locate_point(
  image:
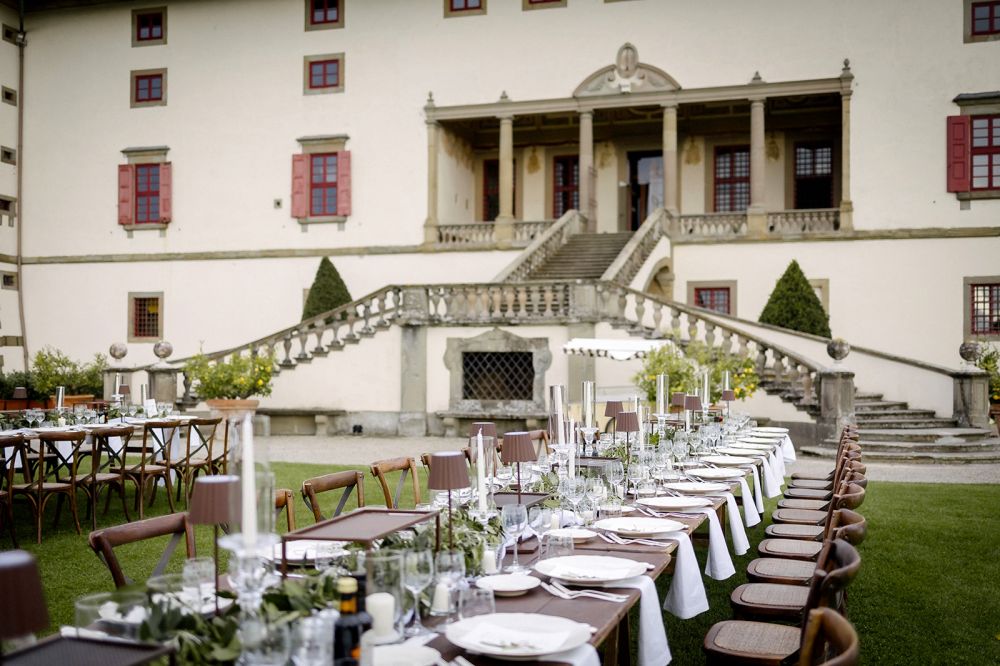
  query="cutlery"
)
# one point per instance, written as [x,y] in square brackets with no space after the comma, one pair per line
[560,590]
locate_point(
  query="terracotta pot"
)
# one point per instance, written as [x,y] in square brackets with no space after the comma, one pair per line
[232,409]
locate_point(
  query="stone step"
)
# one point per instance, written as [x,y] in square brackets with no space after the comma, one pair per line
[903,446]
[941,435]
[991,455]
[871,406]
[902,413]
[867,397]
[906,424]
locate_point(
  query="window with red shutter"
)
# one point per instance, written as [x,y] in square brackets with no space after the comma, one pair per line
[126,185]
[321,180]
[959,159]
[147,193]
[344,183]
[985,152]
[166,192]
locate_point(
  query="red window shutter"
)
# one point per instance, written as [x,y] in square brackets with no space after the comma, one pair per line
[166,192]
[300,186]
[126,192]
[959,160]
[344,183]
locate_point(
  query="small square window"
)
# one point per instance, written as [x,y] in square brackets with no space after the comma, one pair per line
[9,34]
[149,87]
[541,4]
[8,280]
[7,206]
[719,296]
[324,74]
[149,26]
[9,95]
[145,317]
[8,155]
[464,7]
[324,14]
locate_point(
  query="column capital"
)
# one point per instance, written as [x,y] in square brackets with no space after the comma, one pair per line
[757,99]
[432,122]
[670,106]
[508,117]
[586,112]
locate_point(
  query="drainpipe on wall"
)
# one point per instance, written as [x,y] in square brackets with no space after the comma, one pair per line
[21,43]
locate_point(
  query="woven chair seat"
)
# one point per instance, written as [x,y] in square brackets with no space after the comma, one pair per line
[801,516]
[808,504]
[794,531]
[790,597]
[46,486]
[817,484]
[150,469]
[754,640]
[791,548]
[100,477]
[808,493]
[789,572]
[812,477]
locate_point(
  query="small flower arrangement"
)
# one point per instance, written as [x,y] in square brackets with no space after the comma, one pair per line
[682,365]
[237,377]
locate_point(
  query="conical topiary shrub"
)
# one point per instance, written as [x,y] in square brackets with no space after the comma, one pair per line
[327,292]
[793,304]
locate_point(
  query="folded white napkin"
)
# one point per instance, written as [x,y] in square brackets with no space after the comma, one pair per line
[495,638]
[585,655]
[757,495]
[736,530]
[653,647]
[566,571]
[771,487]
[686,597]
[778,466]
[719,564]
[787,449]
[749,508]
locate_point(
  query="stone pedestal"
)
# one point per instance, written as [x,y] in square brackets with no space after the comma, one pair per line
[109,379]
[971,398]
[162,384]
[836,402]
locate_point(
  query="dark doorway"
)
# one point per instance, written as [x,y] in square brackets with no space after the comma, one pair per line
[645,185]
[814,175]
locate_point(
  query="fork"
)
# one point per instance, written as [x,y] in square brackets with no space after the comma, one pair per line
[560,590]
[642,542]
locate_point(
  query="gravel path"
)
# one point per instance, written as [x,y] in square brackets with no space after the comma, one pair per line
[354,450]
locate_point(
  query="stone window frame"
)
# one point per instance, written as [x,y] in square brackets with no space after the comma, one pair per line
[456,13]
[496,340]
[136,104]
[10,276]
[145,155]
[8,209]
[977,104]
[8,155]
[822,285]
[136,42]
[8,95]
[967,283]
[332,25]
[10,34]
[713,284]
[967,36]
[309,59]
[527,5]
[132,295]
[325,143]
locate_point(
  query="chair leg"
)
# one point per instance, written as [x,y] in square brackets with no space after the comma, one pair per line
[170,491]
[72,508]
[121,490]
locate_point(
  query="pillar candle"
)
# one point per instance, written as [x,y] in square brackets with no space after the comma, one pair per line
[442,597]
[706,398]
[489,560]
[572,454]
[118,382]
[662,385]
[481,471]
[588,404]
[642,427]
[725,380]
[382,607]
[248,471]
[555,521]
[556,395]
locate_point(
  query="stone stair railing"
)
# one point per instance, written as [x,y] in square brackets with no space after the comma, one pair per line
[708,225]
[542,248]
[803,221]
[631,258]
[484,233]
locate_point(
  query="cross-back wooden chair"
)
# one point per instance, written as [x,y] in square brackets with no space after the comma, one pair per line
[806,498]
[36,488]
[348,480]
[850,497]
[847,442]
[748,642]
[197,458]
[154,463]
[848,525]
[540,440]
[90,474]
[774,601]
[829,639]
[284,500]
[406,467]
[8,461]
[176,525]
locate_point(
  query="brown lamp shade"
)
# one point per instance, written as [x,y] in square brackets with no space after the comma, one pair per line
[488,427]
[612,408]
[627,422]
[728,395]
[517,447]
[22,603]
[20,393]
[693,403]
[215,500]
[448,471]
[677,399]
[124,390]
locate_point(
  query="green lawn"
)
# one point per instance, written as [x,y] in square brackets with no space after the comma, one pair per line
[928,591]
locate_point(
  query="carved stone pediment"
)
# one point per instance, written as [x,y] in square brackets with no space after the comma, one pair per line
[626,75]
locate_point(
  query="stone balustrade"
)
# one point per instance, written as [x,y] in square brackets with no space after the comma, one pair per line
[804,221]
[484,233]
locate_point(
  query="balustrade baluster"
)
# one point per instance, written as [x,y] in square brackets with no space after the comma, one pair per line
[692,327]
[675,322]
[709,334]
[657,318]
[622,305]
[286,342]
[383,305]
[318,330]
[727,342]
[640,313]
[352,318]
[547,300]
[334,324]
[522,305]
[761,362]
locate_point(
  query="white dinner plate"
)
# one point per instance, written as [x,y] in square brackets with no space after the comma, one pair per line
[716,473]
[405,655]
[728,461]
[591,569]
[760,440]
[304,550]
[753,447]
[509,585]
[772,429]
[639,525]
[675,503]
[735,451]
[698,487]
[578,534]
[517,636]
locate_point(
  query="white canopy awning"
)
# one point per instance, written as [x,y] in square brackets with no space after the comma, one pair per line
[619,350]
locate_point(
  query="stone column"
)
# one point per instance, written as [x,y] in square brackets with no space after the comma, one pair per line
[431,223]
[586,166]
[162,383]
[836,403]
[413,381]
[846,206]
[757,214]
[503,227]
[972,399]
[670,201]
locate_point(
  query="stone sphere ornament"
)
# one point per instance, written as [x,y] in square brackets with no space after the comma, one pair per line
[838,349]
[163,349]
[118,350]
[969,351]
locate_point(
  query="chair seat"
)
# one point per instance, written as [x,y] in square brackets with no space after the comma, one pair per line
[100,477]
[150,470]
[800,516]
[780,570]
[752,642]
[808,493]
[795,549]
[769,601]
[813,477]
[794,531]
[48,486]
[816,484]
[808,504]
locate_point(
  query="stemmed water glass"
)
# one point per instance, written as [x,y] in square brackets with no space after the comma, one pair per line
[614,472]
[515,520]
[573,490]
[596,489]
[505,474]
[635,473]
[418,572]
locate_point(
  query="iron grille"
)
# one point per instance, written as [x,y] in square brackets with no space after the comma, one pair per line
[498,376]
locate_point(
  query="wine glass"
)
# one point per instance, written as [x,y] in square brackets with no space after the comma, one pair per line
[505,474]
[596,489]
[515,520]
[614,472]
[418,572]
[573,490]
[635,473]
